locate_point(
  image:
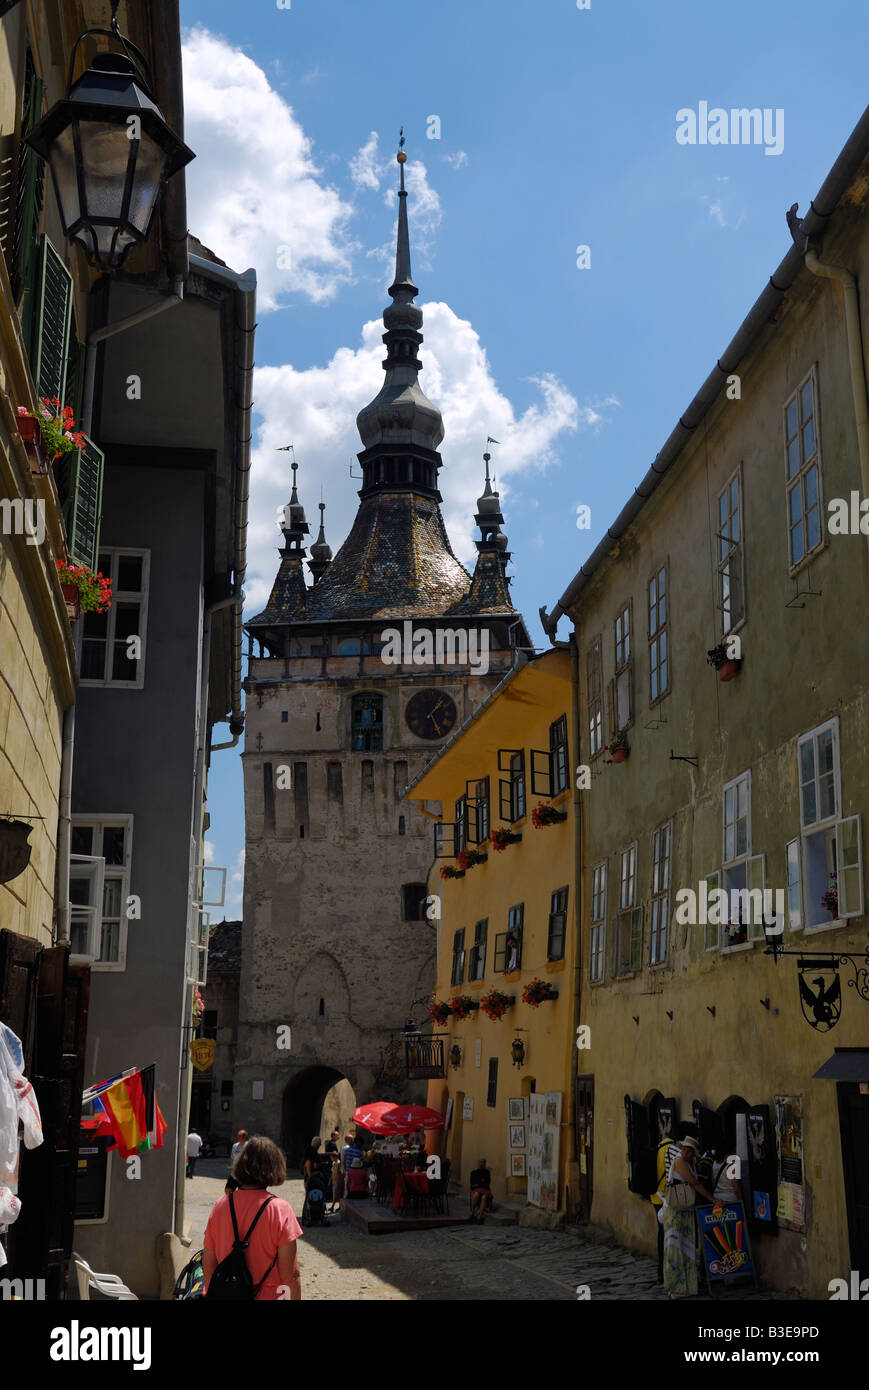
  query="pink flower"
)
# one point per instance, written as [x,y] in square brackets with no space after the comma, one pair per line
[22,410]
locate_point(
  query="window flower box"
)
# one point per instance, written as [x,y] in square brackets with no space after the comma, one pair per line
[467,858]
[538,992]
[830,899]
[544,815]
[495,1004]
[726,666]
[447,871]
[618,748]
[55,424]
[439,1012]
[502,838]
[463,1006]
[84,591]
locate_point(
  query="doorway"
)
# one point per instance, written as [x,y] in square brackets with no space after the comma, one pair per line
[585,1143]
[302,1110]
[854,1130]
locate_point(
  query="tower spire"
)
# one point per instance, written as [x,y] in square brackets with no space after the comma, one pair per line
[403,280]
[295,524]
[321,551]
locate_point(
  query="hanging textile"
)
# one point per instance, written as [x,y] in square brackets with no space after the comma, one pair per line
[18,1103]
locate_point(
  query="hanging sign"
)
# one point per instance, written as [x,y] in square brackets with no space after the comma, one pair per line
[202,1052]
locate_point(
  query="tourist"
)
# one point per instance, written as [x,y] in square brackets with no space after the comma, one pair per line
[349,1152]
[667,1150]
[680,1243]
[725,1189]
[232,1182]
[481,1191]
[332,1144]
[194,1148]
[271,1254]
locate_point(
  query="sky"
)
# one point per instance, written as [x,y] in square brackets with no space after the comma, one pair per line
[581,262]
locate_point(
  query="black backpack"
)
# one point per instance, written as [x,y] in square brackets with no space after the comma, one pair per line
[231,1281]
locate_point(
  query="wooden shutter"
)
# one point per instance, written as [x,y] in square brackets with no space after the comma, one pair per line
[79,478]
[642,1175]
[500,959]
[51,327]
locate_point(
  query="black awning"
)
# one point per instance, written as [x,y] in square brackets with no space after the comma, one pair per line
[846,1064]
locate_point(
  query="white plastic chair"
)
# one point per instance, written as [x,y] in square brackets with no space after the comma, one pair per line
[108,1284]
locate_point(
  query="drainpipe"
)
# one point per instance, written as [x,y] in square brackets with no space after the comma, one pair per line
[855,354]
[98,336]
[578,900]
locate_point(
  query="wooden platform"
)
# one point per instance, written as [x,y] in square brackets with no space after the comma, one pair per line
[376,1220]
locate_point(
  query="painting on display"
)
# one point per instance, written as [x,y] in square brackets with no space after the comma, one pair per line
[518,1167]
[536,1112]
[517,1136]
[516,1109]
[544,1137]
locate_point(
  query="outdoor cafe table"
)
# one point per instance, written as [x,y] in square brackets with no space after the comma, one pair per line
[416,1182]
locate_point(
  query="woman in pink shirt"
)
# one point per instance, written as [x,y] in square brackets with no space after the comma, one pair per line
[271,1256]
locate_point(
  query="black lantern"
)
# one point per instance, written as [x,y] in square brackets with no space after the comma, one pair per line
[517,1048]
[455,1056]
[109,151]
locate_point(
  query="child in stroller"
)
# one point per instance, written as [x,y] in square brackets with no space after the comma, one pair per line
[316,1171]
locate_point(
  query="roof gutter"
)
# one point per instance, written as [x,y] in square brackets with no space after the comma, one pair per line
[821,209]
[244,287]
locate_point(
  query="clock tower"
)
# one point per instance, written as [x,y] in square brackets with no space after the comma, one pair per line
[354,681]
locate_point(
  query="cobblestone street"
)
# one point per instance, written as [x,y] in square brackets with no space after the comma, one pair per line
[465,1263]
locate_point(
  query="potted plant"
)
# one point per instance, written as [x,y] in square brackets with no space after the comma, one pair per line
[618,747]
[449,871]
[544,815]
[537,992]
[439,1012]
[463,1005]
[198,1005]
[56,425]
[726,666]
[84,591]
[495,1004]
[467,858]
[502,838]
[830,899]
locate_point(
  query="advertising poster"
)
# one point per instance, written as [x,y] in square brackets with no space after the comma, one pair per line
[724,1241]
[789,1145]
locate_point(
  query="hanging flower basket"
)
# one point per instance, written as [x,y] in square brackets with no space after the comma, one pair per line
[463,1005]
[88,592]
[467,858]
[198,1005]
[726,666]
[56,425]
[495,1004]
[502,838]
[439,1012]
[447,871]
[538,992]
[830,899]
[544,815]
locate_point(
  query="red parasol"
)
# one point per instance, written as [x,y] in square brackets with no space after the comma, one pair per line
[371,1117]
[406,1118]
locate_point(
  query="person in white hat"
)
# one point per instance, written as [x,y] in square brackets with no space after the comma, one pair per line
[680,1232]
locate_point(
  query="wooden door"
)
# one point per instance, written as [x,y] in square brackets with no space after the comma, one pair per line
[585,1143]
[854,1130]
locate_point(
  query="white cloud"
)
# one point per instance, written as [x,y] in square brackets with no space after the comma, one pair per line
[457,160]
[235,890]
[323,403]
[715,208]
[209,851]
[365,170]
[254,187]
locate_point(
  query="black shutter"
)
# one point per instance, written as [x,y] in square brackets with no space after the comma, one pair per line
[499,961]
[541,772]
[642,1176]
[492,1092]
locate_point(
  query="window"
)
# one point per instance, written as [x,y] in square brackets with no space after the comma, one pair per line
[100,856]
[593,694]
[660,903]
[731,580]
[737,852]
[461,824]
[557,925]
[627,942]
[208,1028]
[558,755]
[598,922]
[659,662]
[492,1090]
[628,877]
[803,472]
[367,724]
[512,788]
[477,811]
[107,655]
[285,716]
[413,899]
[477,961]
[458,972]
[831,847]
[623,701]
[508,944]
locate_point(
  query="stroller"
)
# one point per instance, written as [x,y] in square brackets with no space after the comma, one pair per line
[316,1192]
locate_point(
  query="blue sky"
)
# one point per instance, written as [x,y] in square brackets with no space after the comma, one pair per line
[557,129]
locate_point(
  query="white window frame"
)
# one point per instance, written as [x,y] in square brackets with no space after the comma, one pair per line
[89,866]
[628,878]
[658,616]
[595,703]
[120,596]
[735,861]
[662,873]
[805,465]
[623,678]
[710,942]
[99,823]
[629,922]
[597,954]
[731,552]
[832,828]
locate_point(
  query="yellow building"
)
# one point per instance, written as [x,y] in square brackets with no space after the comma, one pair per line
[506,923]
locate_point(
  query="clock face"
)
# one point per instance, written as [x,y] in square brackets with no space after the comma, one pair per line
[430,714]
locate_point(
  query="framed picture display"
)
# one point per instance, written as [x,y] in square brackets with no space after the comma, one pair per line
[517,1136]
[516,1110]
[517,1166]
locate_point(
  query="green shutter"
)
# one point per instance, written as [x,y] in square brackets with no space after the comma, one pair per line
[75,376]
[22,255]
[51,329]
[80,484]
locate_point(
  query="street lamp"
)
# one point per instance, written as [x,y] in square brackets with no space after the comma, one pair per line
[109,151]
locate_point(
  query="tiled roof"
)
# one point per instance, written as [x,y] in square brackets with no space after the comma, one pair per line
[224,948]
[288,598]
[490,588]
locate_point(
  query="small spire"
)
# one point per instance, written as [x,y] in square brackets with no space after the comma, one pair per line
[321,551]
[403,280]
[295,522]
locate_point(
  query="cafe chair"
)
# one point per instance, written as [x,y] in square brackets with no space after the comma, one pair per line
[108,1284]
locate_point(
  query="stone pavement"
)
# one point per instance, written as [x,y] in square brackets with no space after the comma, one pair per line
[465,1263]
